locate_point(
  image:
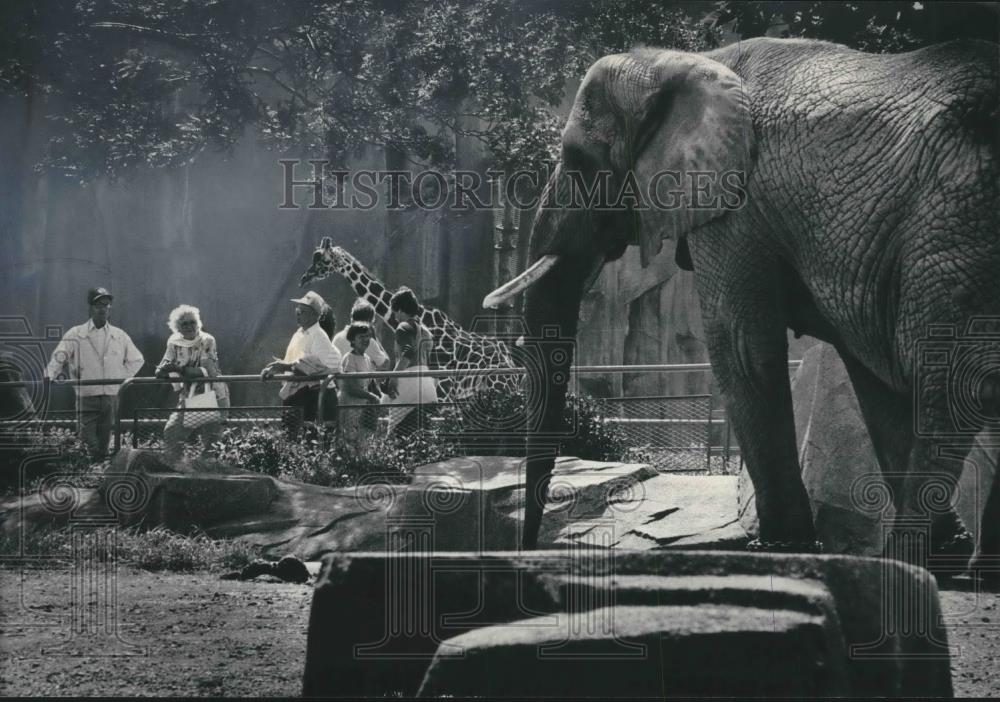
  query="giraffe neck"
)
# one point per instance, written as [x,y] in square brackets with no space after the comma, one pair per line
[369,288]
[453,346]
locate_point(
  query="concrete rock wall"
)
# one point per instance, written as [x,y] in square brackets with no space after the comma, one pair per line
[838,462]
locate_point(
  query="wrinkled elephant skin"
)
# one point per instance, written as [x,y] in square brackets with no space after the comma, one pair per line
[848,196]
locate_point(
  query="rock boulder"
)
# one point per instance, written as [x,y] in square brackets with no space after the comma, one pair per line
[581,622]
[837,457]
[477,504]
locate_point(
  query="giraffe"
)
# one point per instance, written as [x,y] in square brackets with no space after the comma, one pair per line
[454,347]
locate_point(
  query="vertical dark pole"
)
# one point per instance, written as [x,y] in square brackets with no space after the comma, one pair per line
[708,438]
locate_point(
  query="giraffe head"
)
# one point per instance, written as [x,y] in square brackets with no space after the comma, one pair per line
[327,259]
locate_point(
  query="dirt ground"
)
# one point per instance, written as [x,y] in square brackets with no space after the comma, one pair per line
[197,635]
[181,636]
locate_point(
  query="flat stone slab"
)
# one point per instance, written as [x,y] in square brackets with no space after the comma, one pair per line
[386,624]
[311,521]
[683,512]
[646,652]
[477,504]
[140,489]
[472,504]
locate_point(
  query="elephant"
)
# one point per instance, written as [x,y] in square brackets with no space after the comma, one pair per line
[849,196]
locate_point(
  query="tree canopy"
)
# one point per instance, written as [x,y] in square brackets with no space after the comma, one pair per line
[152,83]
[127,83]
[888,26]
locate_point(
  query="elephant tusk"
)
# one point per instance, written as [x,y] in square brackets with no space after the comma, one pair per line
[525,280]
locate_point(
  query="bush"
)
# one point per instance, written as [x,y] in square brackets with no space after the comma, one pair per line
[595,439]
[259,450]
[317,458]
[162,549]
[43,452]
[154,549]
[491,412]
[471,428]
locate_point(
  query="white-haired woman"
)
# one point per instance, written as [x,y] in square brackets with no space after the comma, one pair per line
[191,353]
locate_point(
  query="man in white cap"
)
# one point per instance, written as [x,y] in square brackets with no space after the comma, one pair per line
[95,350]
[309,353]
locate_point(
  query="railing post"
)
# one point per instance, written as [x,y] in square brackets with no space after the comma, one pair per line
[725,450]
[708,438]
[126,384]
[320,417]
[321,402]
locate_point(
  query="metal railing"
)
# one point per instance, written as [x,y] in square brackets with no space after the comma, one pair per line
[671,433]
[148,424]
[670,429]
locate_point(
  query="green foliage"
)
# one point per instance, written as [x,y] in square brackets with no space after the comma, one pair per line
[490,413]
[59,447]
[317,458]
[128,83]
[614,27]
[156,549]
[260,450]
[162,549]
[594,438]
[878,27]
[43,452]
[469,428]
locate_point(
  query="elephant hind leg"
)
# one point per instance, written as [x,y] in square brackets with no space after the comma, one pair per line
[888,417]
[916,476]
[987,560]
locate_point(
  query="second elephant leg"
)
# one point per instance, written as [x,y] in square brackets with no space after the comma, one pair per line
[745,316]
[907,464]
[748,347]
[753,376]
[987,560]
[888,418]
[928,487]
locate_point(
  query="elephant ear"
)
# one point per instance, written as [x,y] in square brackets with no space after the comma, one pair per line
[688,131]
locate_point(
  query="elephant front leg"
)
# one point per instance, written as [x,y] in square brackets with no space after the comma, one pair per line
[750,360]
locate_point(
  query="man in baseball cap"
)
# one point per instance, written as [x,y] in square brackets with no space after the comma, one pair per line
[309,353]
[95,294]
[96,350]
[311,299]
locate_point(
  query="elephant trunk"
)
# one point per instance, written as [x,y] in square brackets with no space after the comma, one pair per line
[567,257]
[552,306]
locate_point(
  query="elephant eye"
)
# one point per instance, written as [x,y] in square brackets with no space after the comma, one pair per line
[576,158]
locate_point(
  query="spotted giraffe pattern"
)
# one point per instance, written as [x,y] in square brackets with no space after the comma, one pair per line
[454,348]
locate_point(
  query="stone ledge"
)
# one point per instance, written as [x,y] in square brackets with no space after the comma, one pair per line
[645,652]
[357,648]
